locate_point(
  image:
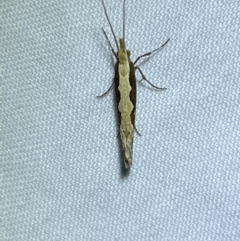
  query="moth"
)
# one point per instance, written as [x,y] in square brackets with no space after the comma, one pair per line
[125,87]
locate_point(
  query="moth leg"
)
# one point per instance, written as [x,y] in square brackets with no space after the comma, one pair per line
[149,53]
[99,96]
[109,43]
[144,78]
[135,128]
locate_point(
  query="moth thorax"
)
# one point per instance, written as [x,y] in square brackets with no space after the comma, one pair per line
[122,56]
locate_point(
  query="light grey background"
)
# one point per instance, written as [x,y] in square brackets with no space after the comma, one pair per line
[61,175]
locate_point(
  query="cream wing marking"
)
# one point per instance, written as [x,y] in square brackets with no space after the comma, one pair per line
[125,107]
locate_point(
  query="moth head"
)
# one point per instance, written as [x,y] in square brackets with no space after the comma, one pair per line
[123,53]
[122,43]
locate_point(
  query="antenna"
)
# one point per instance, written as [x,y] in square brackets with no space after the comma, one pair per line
[105,11]
[124,21]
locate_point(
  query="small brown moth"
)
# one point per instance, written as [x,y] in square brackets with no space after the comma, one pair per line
[125,87]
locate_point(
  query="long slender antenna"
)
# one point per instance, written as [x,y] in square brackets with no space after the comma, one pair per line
[105,11]
[124,22]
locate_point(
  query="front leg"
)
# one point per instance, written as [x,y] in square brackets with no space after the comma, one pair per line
[151,52]
[144,78]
